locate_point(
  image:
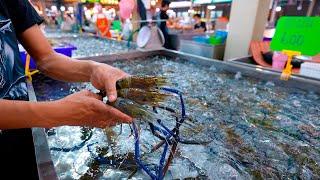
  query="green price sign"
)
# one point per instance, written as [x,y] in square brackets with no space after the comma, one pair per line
[297,34]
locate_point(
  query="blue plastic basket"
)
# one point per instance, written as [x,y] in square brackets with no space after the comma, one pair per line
[221,34]
[65,49]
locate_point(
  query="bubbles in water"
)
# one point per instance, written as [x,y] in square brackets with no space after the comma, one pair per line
[238,75]
[270,84]
[213,68]
[296,103]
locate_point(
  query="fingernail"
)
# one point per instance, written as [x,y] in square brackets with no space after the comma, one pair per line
[112,98]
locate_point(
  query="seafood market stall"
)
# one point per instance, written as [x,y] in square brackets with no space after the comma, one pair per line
[202,49]
[89,45]
[241,123]
[187,42]
[56,33]
[82,45]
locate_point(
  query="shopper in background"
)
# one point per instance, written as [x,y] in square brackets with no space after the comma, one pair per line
[163,17]
[199,25]
[102,22]
[316,58]
[68,22]
[19,21]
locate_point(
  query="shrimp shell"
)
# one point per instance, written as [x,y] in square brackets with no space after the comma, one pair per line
[150,97]
[141,82]
[134,110]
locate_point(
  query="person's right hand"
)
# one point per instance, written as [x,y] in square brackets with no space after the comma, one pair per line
[85,108]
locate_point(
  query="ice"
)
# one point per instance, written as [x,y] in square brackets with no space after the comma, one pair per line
[256,129]
[238,76]
[270,84]
[296,103]
[60,34]
[180,169]
[93,46]
[225,171]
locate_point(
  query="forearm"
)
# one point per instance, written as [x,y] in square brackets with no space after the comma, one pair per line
[65,68]
[24,114]
[51,63]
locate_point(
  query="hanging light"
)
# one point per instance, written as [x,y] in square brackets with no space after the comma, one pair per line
[180,4]
[278,8]
[153,2]
[54,8]
[62,8]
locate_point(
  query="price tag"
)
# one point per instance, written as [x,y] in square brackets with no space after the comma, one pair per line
[297,34]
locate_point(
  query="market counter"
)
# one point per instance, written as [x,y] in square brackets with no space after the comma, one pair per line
[183,42]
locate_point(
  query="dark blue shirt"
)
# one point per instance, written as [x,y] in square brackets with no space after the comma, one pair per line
[15,17]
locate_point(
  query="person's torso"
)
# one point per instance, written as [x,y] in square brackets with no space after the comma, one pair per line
[103,26]
[12,79]
[197,26]
[102,22]
[163,24]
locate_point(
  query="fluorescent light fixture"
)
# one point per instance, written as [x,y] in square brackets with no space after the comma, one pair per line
[278,8]
[180,4]
[211,1]
[211,7]
[202,1]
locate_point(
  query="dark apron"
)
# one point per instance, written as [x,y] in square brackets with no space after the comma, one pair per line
[17,155]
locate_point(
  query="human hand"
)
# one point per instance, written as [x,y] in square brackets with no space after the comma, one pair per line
[316,58]
[104,77]
[85,108]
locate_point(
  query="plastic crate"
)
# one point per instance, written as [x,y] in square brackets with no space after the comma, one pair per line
[65,49]
[221,34]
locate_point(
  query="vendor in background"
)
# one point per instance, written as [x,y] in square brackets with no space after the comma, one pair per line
[163,17]
[20,22]
[102,22]
[199,25]
[68,22]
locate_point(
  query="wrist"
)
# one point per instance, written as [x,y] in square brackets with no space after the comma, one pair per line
[47,114]
[93,66]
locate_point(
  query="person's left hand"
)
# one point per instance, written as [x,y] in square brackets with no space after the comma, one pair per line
[104,77]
